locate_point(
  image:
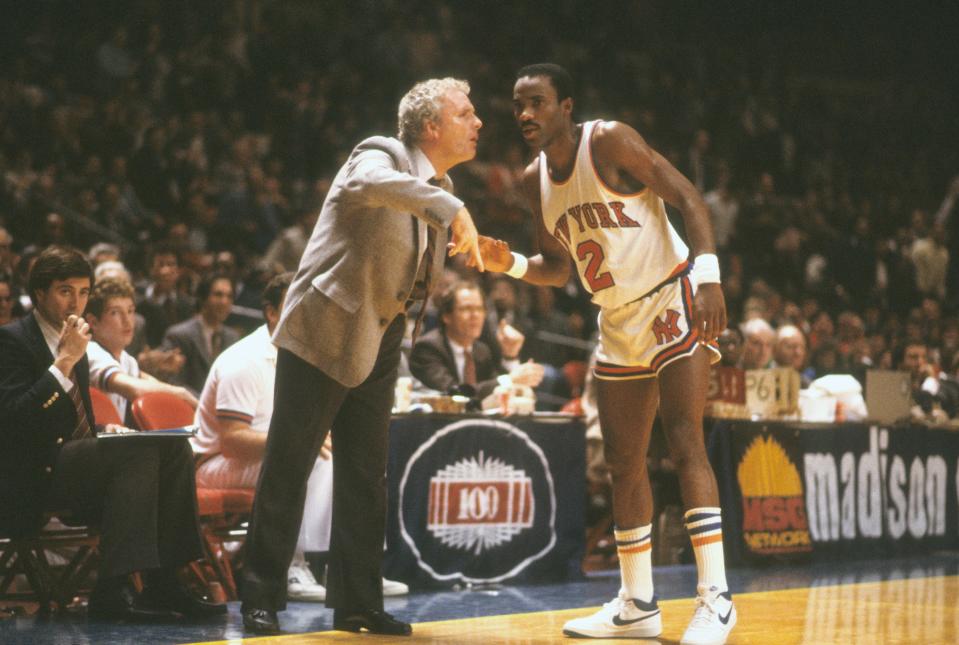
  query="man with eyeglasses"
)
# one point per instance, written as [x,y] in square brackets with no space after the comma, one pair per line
[453,359]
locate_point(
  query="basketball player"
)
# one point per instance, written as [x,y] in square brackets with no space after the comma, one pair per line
[597,192]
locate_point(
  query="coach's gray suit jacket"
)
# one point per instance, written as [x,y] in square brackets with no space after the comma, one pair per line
[360,264]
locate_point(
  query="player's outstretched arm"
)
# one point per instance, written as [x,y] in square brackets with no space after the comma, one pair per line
[550,267]
[619,146]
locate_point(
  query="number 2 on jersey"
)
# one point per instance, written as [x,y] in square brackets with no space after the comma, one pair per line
[597,281]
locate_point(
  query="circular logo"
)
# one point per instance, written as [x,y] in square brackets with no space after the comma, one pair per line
[477,502]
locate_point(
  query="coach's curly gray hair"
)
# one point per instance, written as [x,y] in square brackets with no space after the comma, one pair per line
[422,104]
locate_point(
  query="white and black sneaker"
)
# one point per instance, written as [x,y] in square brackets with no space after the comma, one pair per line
[715,617]
[622,617]
[302,586]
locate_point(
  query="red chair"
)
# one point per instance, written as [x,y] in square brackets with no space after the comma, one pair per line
[103,409]
[159,410]
[222,511]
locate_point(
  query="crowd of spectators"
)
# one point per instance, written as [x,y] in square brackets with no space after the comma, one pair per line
[211,129]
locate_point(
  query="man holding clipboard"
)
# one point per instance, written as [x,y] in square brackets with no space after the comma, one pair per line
[140,494]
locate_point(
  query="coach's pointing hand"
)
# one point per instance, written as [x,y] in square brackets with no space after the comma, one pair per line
[466,239]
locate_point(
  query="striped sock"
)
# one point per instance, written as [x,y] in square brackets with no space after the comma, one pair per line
[634,547]
[705,528]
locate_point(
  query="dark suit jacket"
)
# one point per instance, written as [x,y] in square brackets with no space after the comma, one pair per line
[36,418]
[188,337]
[432,362]
[157,319]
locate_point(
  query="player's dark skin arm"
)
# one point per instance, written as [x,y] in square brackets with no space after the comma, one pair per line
[625,160]
[550,267]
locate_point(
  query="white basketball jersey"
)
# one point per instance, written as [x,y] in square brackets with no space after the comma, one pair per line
[623,245]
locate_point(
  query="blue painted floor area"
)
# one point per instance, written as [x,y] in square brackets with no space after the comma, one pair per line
[671,582]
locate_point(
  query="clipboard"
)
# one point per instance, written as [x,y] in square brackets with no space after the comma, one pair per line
[184,431]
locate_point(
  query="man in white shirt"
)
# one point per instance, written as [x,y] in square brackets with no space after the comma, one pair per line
[234,417]
[111,315]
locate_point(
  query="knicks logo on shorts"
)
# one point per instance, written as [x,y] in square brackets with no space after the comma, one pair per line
[666,328]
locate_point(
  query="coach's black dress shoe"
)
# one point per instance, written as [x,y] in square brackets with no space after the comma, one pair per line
[121,602]
[375,621]
[260,621]
[176,597]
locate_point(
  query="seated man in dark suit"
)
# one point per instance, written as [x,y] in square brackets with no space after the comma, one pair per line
[201,338]
[139,492]
[453,359]
[161,304]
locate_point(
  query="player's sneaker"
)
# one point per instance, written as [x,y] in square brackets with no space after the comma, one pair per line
[302,586]
[394,588]
[622,617]
[715,617]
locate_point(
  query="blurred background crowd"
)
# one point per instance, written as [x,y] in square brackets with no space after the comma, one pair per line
[824,142]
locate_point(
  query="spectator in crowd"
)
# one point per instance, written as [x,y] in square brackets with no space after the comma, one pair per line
[161,304]
[287,248]
[201,338]
[791,352]
[140,494]
[931,258]
[935,394]
[723,208]
[825,359]
[730,343]
[103,252]
[7,257]
[758,341]
[8,300]
[453,359]
[111,316]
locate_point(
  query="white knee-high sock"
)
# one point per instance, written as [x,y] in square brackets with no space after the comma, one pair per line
[634,547]
[705,528]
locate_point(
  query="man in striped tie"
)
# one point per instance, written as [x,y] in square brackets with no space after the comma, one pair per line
[52,460]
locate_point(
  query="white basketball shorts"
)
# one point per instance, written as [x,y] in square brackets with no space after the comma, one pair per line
[638,339]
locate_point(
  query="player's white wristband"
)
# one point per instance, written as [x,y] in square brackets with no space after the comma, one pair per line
[520,266]
[705,269]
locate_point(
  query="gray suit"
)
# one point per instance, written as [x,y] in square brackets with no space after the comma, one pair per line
[359,266]
[339,347]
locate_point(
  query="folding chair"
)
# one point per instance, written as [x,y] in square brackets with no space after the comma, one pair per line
[222,511]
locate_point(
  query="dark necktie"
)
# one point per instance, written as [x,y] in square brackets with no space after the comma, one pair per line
[216,343]
[428,271]
[169,310]
[469,368]
[82,428]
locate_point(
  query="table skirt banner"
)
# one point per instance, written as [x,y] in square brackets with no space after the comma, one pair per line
[485,500]
[792,490]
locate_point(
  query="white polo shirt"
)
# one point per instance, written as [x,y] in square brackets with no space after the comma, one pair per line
[239,386]
[103,366]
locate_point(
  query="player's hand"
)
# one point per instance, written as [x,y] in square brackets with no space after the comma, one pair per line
[709,311]
[496,254]
[465,239]
[326,450]
[528,373]
[509,338]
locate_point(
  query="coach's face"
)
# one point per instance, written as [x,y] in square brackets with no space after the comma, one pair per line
[63,298]
[541,116]
[457,130]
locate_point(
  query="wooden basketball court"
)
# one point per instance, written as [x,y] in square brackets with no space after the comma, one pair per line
[911,610]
